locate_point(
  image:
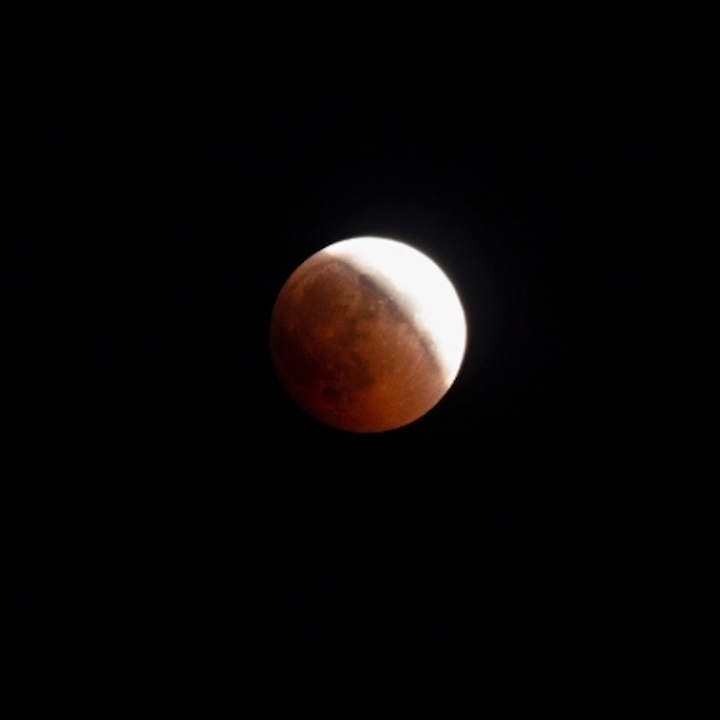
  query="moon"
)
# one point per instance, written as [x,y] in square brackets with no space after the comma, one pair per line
[368,334]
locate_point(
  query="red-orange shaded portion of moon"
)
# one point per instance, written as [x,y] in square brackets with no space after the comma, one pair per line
[349,351]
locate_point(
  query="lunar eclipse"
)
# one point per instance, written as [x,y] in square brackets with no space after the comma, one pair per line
[367,335]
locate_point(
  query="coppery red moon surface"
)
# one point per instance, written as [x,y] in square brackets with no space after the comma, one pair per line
[367,335]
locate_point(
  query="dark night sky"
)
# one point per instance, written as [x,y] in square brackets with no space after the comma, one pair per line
[180,524]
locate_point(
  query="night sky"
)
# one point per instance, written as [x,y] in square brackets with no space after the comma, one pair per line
[182,529]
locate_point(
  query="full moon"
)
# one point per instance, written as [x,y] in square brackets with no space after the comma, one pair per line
[368,334]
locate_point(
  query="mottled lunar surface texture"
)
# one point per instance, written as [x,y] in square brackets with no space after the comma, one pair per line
[367,335]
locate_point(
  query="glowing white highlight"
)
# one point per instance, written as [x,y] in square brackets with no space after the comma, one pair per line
[422,289]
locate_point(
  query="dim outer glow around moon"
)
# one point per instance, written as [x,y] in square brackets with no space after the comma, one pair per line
[368,334]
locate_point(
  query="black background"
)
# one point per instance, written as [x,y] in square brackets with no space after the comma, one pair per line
[183,530]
